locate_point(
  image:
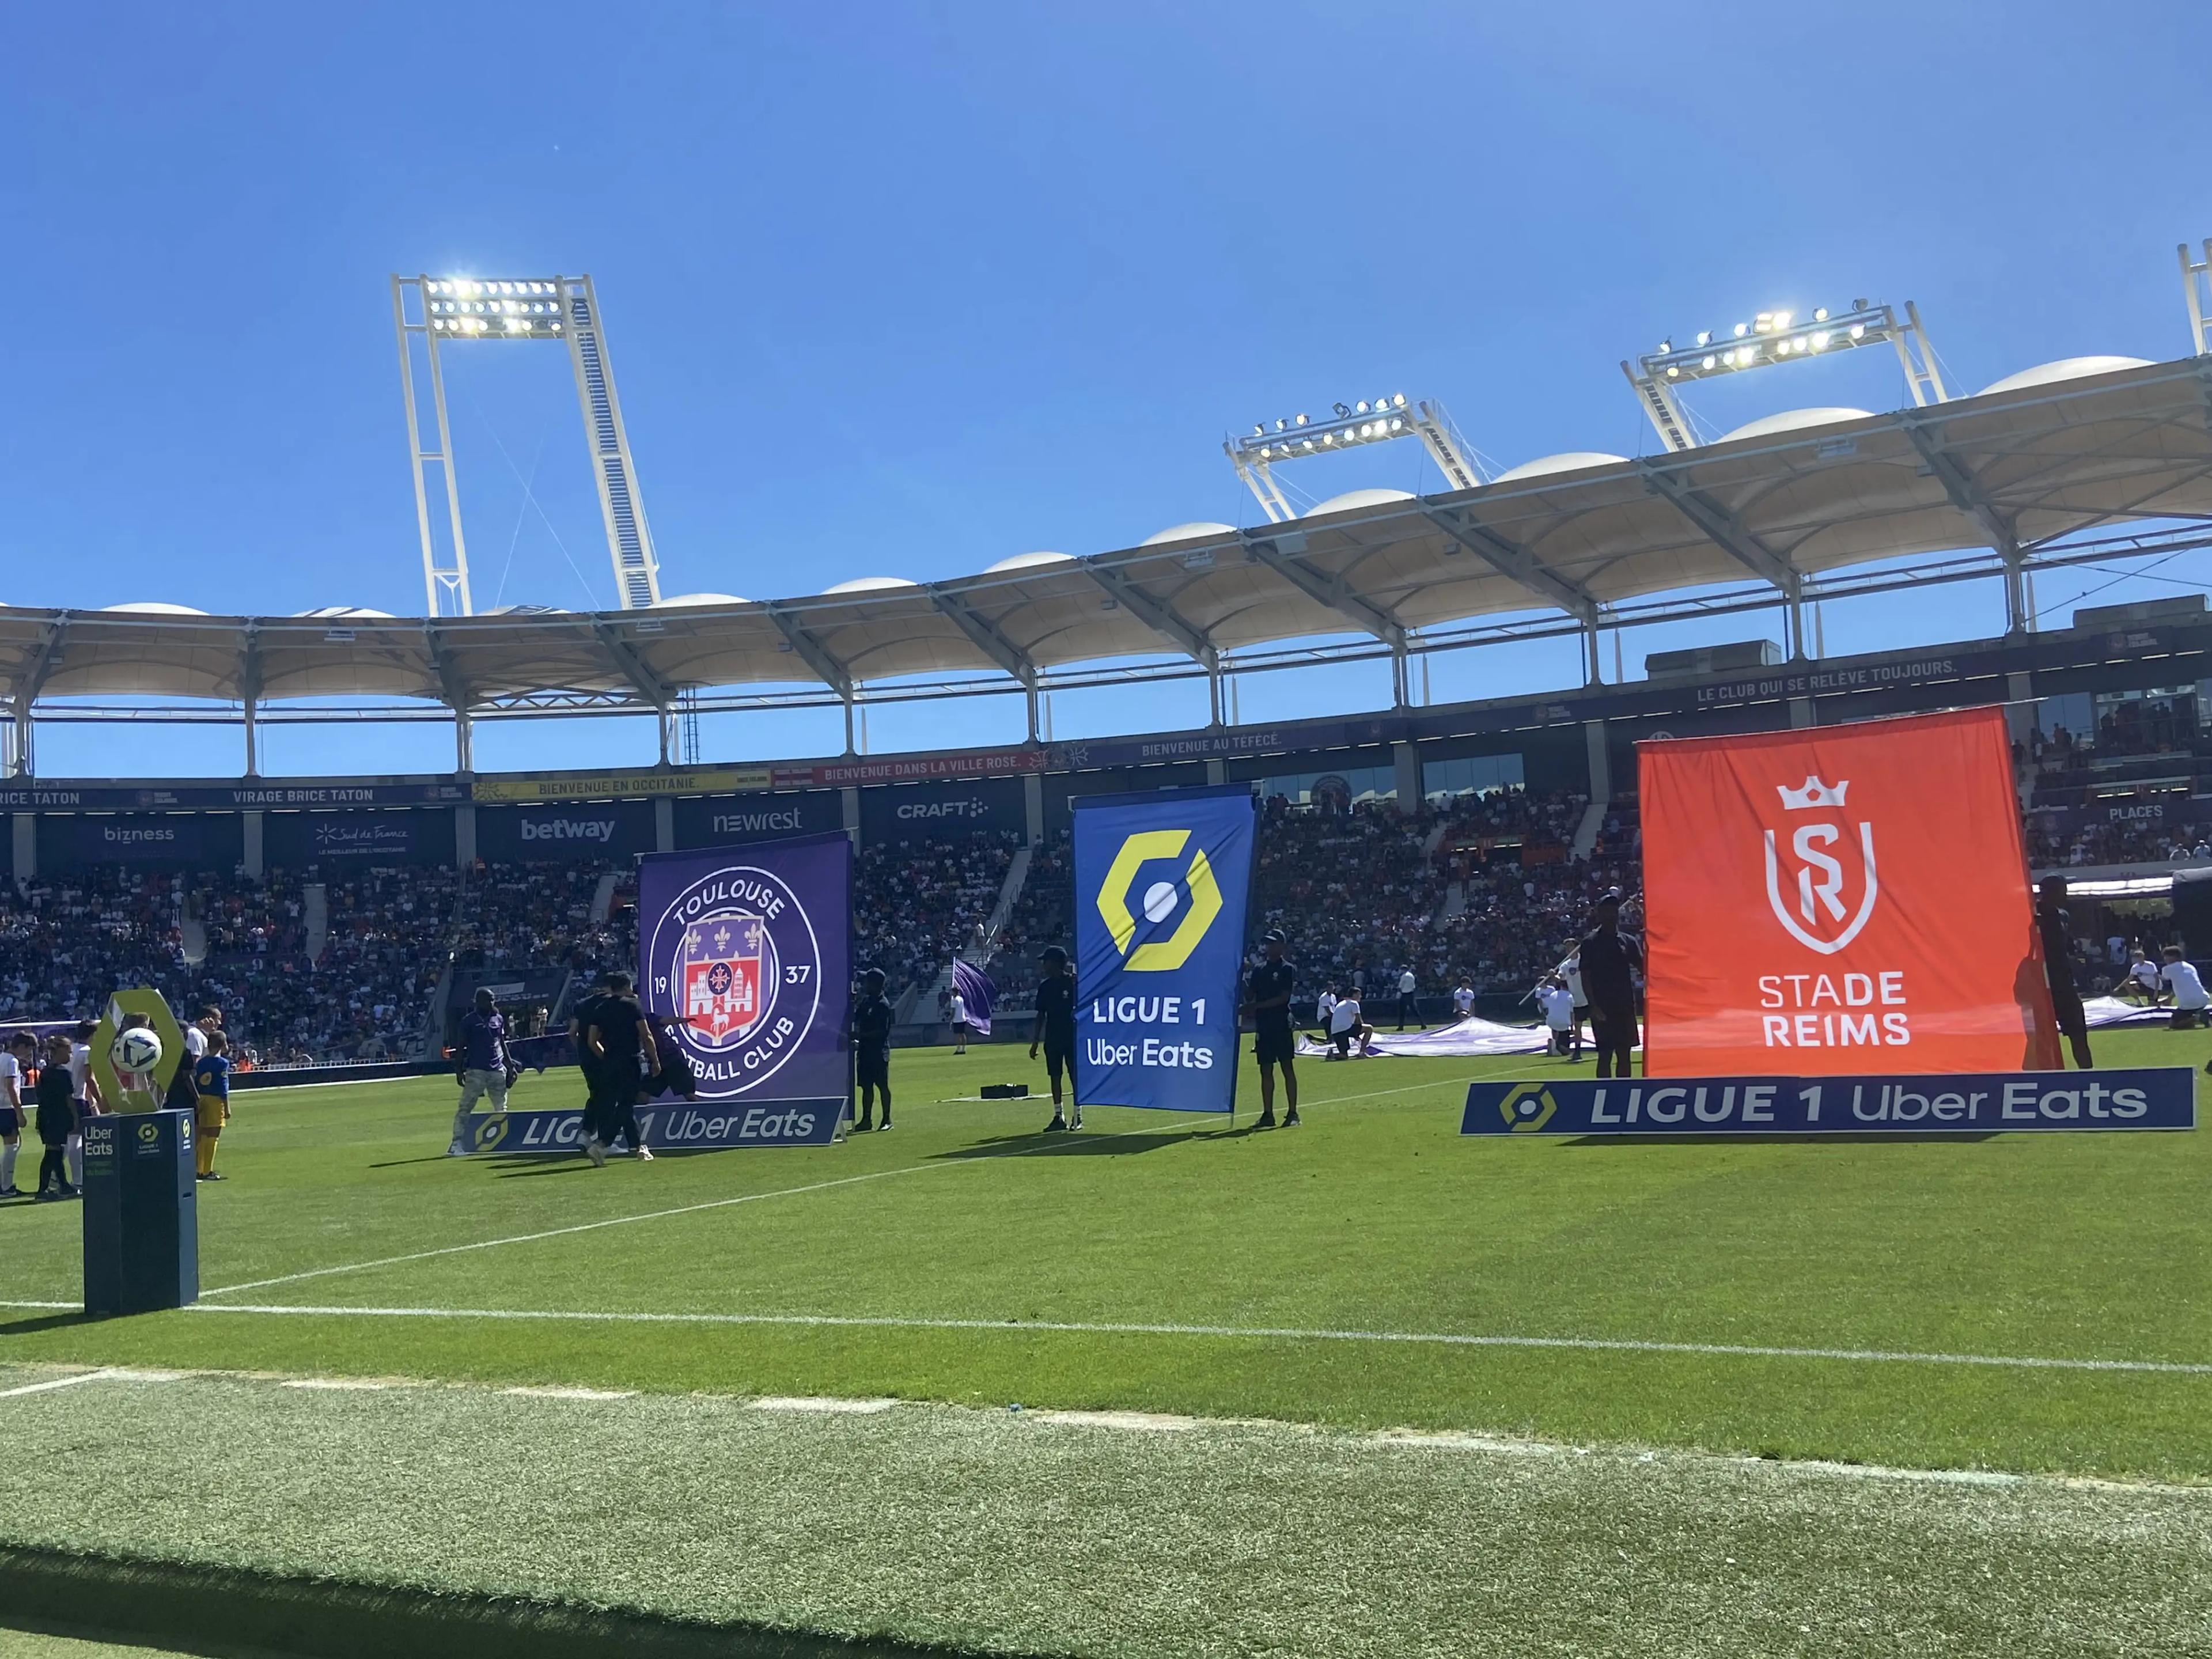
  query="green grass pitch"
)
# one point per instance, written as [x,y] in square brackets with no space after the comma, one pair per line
[1174,1264]
[1373,1217]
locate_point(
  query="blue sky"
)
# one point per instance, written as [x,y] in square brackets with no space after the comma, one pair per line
[904,289]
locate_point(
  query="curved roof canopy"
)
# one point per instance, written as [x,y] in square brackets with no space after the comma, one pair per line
[2083,449]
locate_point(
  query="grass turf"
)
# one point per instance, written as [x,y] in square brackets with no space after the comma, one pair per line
[1374,1217]
[1004,1533]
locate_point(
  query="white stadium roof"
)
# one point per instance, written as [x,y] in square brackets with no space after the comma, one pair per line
[2053,451]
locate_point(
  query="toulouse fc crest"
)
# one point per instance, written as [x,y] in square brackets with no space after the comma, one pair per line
[735,960]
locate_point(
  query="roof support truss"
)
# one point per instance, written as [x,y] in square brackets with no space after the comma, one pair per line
[1157,615]
[1508,558]
[24,693]
[811,652]
[1964,492]
[1722,527]
[454,688]
[1331,591]
[633,667]
[984,636]
[43,662]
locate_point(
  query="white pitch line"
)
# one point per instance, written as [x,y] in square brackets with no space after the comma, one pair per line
[656,1215]
[57,1382]
[1268,1333]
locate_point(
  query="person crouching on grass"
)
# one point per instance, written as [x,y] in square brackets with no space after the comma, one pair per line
[56,1121]
[2179,979]
[211,1079]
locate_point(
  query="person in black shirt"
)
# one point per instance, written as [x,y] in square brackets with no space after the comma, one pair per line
[581,1015]
[620,1043]
[2057,927]
[57,1119]
[872,1048]
[1272,1043]
[1609,963]
[1055,1034]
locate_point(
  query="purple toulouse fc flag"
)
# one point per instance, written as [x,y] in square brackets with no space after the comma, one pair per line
[746,950]
[977,993]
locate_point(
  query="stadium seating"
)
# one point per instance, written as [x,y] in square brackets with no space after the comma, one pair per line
[1485,888]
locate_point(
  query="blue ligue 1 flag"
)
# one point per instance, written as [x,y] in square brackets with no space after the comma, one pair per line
[746,952]
[1161,884]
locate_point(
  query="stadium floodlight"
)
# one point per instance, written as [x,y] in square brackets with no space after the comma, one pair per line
[445,310]
[1349,426]
[1780,337]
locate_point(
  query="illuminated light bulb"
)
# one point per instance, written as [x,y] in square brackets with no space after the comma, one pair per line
[1858,330]
[1396,425]
[1706,339]
[1665,346]
[1819,313]
[1708,362]
[1781,320]
[1672,373]
[1820,341]
[1400,400]
[1362,406]
[1742,329]
[1301,420]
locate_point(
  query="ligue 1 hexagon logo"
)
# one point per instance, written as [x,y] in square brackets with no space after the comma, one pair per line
[735,964]
[1526,1108]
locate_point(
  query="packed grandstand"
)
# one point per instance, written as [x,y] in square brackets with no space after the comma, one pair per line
[334,962]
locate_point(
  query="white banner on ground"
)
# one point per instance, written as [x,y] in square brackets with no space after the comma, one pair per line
[1468,1037]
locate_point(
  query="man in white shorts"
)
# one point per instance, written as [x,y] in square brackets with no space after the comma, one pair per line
[85,1089]
[11,1117]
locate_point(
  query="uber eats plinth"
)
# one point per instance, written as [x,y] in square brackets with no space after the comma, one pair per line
[141,1222]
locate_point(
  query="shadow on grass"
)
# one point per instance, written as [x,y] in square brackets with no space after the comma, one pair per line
[1839,1137]
[52,1322]
[1072,1144]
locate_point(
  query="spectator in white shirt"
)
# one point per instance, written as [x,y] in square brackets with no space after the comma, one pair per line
[1346,1030]
[2185,988]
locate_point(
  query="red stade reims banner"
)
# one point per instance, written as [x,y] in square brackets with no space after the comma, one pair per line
[1847,899]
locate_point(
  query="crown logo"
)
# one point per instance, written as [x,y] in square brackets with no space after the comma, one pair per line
[1814,793]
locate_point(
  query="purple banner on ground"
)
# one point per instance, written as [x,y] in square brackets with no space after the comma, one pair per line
[748,950]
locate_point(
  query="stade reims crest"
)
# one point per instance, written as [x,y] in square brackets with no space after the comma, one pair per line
[720,969]
[1822,902]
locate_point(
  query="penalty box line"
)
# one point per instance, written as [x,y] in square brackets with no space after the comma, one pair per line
[1266,1333]
[725,1203]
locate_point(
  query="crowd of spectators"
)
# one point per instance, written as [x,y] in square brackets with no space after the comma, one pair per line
[917,903]
[535,916]
[67,940]
[2117,843]
[1484,888]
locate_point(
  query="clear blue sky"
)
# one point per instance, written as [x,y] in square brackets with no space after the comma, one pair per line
[903,290]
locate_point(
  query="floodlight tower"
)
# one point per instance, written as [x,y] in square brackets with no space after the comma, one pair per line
[2196,287]
[1778,337]
[445,310]
[1297,436]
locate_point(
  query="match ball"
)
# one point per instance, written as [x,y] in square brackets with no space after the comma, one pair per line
[136,1050]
